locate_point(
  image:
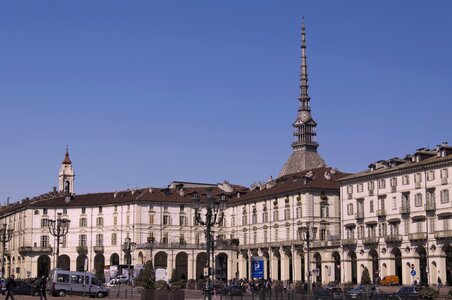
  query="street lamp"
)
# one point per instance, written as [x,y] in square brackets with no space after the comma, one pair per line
[308,234]
[214,216]
[58,228]
[5,236]
[128,247]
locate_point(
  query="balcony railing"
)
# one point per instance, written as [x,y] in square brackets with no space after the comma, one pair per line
[404,209]
[418,236]
[395,238]
[28,250]
[443,234]
[359,215]
[98,249]
[381,213]
[430,206]
[371,240]
[201,246]
[82,249]
[350,241]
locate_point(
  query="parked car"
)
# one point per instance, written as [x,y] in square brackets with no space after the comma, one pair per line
[407,292]
[120,279]
[233,290]
[328,293]
[361,292]
[390,280]
[22,288]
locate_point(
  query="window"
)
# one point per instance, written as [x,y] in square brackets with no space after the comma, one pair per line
[444,196]
[100,209]
[115,220]
[265,215]
[360,187]
[128,219]
[166,220]
[371,205]
[431,225]
[444,176]
[114,239]
[275,215]
[276,235]
[99,239]
[370,185]
[181,239]
[83,222]
[151,218]
[116,209]
[64,211]
[324,211]
[265,236]
[245,238]
[430,175]
[382,183]
[165,238]
[430,196]
[394,181]
[254,216]
[350,209]
[382,229]
[36,212]
[182,221]
[100,221]
[181,207]
[417,180]
[405,200]
[255,237]
[405,180]
[44,241]
[323,234]
[44,223]
[406,226]
[83,210]
[244,218]
[287,214]
[233,220]
[418,200]
[44,211]
[381,201]
[82,240]
[299,212]
[350,189]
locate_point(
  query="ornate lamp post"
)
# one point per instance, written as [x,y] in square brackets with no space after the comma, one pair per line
[214,215]
[308,234]
[5,236]
[128,247]
[58,228]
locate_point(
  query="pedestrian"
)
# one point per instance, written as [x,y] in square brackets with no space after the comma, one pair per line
[10,284]
[43,284]
[439,282]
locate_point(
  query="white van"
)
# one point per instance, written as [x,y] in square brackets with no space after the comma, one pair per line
[62,282]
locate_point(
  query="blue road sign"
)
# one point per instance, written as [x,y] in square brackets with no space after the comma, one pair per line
[258,267]
[413,272]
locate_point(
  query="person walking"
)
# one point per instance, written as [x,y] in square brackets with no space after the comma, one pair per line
[42,287]
[10,284]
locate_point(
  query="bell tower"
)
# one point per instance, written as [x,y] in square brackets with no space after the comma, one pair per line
[66,175]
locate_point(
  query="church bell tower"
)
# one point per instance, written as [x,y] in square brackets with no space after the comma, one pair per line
[66,175]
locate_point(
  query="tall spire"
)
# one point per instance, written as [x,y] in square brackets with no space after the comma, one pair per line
[67,160]
[304,155]
[66,175]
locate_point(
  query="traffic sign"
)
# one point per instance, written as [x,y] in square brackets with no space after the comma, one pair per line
[413,272]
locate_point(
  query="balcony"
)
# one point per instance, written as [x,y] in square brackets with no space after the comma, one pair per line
[98,249]
[395,238]
[82,249]
[381,213]
[404,209]
[430,206]
[28,250]
[348,242]
[443,234]
[186,246]
[418,236]
[359,215]
[371,240]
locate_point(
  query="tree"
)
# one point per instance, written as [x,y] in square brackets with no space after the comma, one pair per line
[365,277]
[148,276]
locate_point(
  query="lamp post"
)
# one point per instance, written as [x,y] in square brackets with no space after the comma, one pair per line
[214,215]
[308,234]
[128,247]
[58,228]
[5,236]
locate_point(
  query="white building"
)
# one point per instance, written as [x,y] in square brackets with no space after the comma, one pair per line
[396,217]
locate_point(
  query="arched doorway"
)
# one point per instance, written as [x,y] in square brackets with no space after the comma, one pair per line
[354,266]
[201,263]
[114,259]
[181,265]
[422,264]
[318,266]
[447,249]
[141,257]
[397,255]
[375,269]
[82,263]
[337,266]
[99,265]
[43,265]
[161,260]
[221,267]
[64,262]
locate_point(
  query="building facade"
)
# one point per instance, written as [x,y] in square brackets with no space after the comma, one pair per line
[396,218]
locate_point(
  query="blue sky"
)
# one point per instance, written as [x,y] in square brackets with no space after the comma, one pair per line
[146,92]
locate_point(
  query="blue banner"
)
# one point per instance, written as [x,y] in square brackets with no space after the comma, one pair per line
[257,267]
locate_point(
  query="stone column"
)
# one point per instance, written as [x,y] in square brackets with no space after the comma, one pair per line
[273,265]
[170,264]
[296,264]
[191,266]
[284,263]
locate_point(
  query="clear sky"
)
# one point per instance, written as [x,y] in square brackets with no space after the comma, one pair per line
[146,92]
